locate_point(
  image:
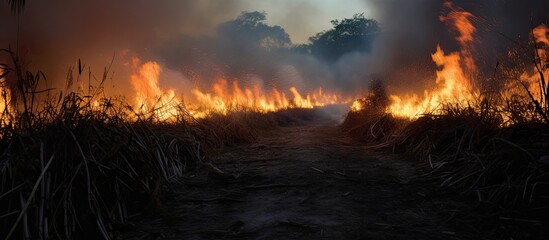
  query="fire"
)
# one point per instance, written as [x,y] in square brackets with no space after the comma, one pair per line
[4,94]
[356,106]
[531,80]
[150,99]
[541,34]
[225,97]
[452,84]
[454,77]
[232,97]
[5,100]
[461,22]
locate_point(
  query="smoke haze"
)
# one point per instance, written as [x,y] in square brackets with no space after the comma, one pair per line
[196,44]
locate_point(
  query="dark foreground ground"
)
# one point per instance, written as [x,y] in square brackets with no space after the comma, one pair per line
[309,181]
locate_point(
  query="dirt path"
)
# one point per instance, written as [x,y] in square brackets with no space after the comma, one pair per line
[302,182]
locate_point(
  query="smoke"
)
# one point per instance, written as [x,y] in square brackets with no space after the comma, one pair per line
[53,35]
[198,41]
[412,30]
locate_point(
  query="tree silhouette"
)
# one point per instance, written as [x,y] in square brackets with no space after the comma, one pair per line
[247,44]
[347,35]
[250,30]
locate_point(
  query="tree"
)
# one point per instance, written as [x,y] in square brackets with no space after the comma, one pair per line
[247,44]
[250,30]
[347,35]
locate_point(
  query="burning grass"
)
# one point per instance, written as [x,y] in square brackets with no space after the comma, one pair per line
[82,165]
[493,148]
[493,153]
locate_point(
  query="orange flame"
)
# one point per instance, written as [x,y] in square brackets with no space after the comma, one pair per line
[232,97]
[151,100]
[453,86]
[532,79]
[461,22]
[3,99]
[541,34]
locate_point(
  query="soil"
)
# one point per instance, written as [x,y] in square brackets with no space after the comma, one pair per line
[309,181]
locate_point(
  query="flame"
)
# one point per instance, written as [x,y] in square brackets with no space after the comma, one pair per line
[541,34]
[452,84]
[4,94]
[531,80]
[357,106]
[461,22]
[232,97]
[5,102]
[150,99]
[454,77]
[225,97]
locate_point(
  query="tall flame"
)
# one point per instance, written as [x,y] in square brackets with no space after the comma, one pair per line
[4,94]
[452,84]
[151,100]
[461,22]
[532,79]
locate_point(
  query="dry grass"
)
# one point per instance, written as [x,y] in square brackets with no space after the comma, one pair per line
[505,169]
[495,151]
[74,166]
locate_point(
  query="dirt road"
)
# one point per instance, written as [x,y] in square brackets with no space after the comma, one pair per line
[301,182]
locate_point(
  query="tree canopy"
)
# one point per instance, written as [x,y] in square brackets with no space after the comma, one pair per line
[250,30]
[347,35]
